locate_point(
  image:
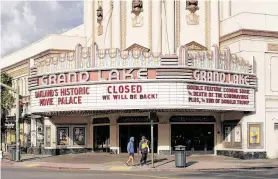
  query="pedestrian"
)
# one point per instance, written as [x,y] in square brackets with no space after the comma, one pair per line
[130,150]
[144,149]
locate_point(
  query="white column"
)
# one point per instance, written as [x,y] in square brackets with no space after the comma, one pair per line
[164,134]
[218,135]
[33,132]
[88,20]
[90,139]
[170,19]
[116,34]
[114,134]
[156,28]
[163,29]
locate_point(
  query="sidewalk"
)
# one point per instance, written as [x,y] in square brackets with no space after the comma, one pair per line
[108,162]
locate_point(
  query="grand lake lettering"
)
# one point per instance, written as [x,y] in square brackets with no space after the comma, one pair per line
[97,75]
[221,77]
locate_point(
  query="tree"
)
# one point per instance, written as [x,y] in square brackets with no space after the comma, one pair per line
[7,98]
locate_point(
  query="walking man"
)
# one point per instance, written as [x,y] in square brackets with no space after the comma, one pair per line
[144,149]
[130,150]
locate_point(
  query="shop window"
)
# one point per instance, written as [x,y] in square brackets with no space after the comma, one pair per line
[71,135]
[276,126]
[228,136]
[255,138]
[232,135]
[48,136]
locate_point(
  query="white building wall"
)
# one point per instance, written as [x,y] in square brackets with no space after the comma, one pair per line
[137,35]
[245,13]
[192,32]
[77,31]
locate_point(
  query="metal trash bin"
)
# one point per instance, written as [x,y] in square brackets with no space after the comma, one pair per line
[180,156]
[12,152]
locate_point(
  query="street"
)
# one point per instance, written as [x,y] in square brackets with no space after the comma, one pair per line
[32,173]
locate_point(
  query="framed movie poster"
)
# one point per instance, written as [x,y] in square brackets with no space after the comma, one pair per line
[228,134]
[237,130]
[62,135]
[78,135]
[255,135]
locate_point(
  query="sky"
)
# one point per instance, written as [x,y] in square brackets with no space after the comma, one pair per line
[25,22]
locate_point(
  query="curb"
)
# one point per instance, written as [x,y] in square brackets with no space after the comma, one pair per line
[120,169]
[208,169]
[60,168]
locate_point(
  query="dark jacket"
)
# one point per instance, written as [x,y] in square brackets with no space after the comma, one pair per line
[130,145]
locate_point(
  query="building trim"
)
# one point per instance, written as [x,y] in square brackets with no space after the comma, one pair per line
[150,34]
[249,32]
[177,23]
[123,23]
[208,23]
[40,55]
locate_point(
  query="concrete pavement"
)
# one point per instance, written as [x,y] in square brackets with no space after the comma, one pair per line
[108,162]
[33,173]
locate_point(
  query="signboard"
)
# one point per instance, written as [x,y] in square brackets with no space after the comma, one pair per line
[148,95]
[237,134]
[9,125]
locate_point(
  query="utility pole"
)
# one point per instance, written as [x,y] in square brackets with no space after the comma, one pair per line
[152,116]
[1,152]
[16,91]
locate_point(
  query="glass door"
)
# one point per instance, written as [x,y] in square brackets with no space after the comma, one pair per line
[102,138]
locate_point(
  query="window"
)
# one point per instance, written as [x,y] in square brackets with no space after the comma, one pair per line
[62,135]
[78,135]
[47,136]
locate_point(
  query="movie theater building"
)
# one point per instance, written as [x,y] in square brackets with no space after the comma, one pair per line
[100,98]
[95,86]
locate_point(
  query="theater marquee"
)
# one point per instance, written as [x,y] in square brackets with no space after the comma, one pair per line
[144,95]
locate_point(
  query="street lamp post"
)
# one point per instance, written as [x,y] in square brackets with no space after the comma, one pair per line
[16,91]
[152,116]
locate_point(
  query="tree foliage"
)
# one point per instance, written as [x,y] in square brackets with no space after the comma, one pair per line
[7,98]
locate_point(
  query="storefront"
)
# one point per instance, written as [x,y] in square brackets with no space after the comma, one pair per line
[99,107]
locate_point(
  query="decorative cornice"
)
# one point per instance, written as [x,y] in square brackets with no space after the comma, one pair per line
[19,72]
[272,47]
[177,24]
[195,46]
[150,25]
[15,66]
[207,23]
[249,32]
[40,55]
[137,47]
[98,112]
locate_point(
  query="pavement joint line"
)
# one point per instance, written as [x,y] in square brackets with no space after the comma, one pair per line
[31,165]
[248,176]
[118,168]
[149,176]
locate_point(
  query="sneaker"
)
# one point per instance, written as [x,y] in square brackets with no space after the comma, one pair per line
[126,164]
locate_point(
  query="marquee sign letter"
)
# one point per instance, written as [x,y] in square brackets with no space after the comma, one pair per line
[142,74]
[114,75]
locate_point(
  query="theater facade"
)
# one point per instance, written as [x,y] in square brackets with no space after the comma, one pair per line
[96,99]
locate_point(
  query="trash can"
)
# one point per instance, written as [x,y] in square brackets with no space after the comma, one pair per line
[180,156]
[12,153]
